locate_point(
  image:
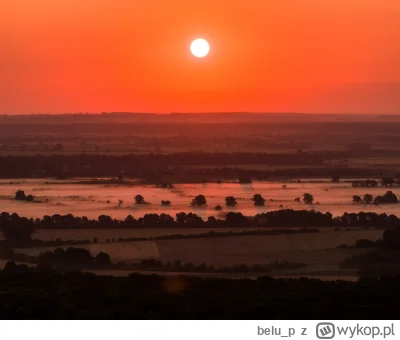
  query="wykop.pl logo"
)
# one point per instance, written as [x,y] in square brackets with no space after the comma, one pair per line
[325,330]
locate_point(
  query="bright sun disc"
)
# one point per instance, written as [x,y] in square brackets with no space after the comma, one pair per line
[199,48]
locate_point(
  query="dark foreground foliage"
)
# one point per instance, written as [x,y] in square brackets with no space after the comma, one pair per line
[44,294]
[382,259]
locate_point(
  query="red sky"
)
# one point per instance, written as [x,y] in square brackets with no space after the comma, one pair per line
[133,55]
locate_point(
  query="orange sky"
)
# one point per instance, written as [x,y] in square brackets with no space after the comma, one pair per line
[133,55]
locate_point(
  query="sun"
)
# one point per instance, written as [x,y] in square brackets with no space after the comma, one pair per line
[199,48]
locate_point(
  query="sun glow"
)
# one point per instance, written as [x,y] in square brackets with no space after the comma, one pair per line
[199,48]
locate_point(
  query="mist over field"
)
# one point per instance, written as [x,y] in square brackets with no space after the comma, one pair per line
[91,200]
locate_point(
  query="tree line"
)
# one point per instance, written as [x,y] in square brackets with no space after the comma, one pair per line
[80,258]
[20,229]
[388,198]
[383,259]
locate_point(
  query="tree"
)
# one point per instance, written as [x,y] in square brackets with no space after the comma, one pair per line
[389,197]
[236,218]
[199,201]
[368,199]
[19,232]
[297,199]
[194,220]
[166,219]
[20,195]
[105,220]
[165,203]
[357,199]
[308,198]
[30,198]
[211,220]
[120,203]
[102,258]
[378,200]
[139,199]
[258,200]
[181,218]
[218,207]
[230,201]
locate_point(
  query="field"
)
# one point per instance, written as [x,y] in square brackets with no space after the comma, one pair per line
[319,251]
[92,200]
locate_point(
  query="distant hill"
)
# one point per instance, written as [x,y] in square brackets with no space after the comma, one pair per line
[209,117]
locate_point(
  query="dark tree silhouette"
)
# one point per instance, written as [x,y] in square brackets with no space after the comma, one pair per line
[19,232]
[308,198]
[102,258]
[357,199]
[377,200]
[297,199]
[218,207]
[181,218]
[368,199]
[199,201]
[78,257]
[236,218]
[230,201]
[165,203]
[139,199]
[20,195]
[258,200]
[389,197]
[105,220]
